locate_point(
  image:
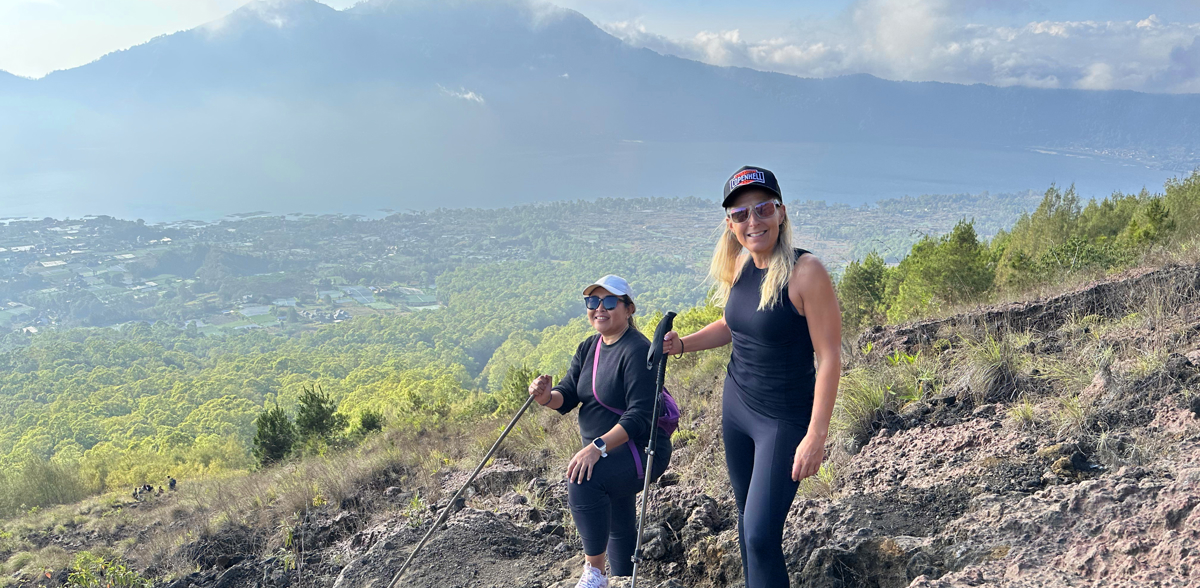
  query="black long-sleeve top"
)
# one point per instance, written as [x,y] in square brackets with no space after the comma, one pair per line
[623,383]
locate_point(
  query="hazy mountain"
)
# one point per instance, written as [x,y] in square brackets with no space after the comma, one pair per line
[7,79]
[412,103]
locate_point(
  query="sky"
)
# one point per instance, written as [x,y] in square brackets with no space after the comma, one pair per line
[1150,45]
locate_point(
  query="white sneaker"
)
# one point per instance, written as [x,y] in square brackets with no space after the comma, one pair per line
[592,578]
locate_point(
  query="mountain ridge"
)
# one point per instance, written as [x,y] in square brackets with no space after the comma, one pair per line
[318,101]
[275,39]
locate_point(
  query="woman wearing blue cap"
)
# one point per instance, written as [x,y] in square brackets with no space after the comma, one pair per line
[609,382]
[781,313]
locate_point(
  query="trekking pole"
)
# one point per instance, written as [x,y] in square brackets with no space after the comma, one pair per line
[446,511]
[655,360]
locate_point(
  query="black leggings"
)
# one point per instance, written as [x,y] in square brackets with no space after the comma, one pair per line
[605,507]
[759,452]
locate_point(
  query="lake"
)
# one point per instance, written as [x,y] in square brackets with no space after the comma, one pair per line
[420,177]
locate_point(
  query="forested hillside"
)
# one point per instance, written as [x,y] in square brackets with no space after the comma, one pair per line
[119,407]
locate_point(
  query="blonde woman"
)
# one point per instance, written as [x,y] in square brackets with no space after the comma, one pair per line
[781,313]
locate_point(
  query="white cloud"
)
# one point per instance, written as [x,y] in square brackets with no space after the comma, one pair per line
[1099,77]
[462,93]
[1185,64]
[934,40]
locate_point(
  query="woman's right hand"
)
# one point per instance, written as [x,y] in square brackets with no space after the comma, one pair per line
[672,345]
[539,389]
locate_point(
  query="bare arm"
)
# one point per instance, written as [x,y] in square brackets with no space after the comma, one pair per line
[615,436]
[712,336]
[811,291]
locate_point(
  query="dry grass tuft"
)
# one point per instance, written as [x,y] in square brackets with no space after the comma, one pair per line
[822,485]
[993,369]
[28,563]
[865,397]
[1023,415]
[1114,450]
[1070,417]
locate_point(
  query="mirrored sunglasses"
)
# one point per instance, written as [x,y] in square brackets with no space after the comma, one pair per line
[763,210]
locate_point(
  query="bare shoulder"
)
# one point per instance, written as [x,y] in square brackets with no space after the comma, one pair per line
[810,287]
[809,272]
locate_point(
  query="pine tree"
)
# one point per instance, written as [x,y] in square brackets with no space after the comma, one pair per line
[1054,222]
[317,415]
[951,269]
[515,389]
[862,291]
[275,436]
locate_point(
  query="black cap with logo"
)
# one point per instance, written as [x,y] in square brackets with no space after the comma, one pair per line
[749,177]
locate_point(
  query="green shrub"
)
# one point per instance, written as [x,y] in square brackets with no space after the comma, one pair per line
[1182,200]
[17,562]
[820,485]
[682,436]
[49,558]
[93,571]
[693,319]
[370,420]
[1054,222]
[35,483]
[515,389]
[913,376]
[940,272]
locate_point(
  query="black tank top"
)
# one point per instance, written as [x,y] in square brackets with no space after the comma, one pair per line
[772,363]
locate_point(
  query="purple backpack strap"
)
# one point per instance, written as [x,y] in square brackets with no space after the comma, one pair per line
[595,363]
[637,458]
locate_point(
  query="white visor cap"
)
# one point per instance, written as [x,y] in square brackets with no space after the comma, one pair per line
[614,284]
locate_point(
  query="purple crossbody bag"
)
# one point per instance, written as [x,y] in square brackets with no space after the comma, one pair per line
[668,422]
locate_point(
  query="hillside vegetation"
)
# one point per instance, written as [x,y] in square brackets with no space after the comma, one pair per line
[1064,239]
[1043,405]
[1047,443]
[88,410]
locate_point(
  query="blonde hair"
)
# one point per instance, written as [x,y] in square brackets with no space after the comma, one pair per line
[729,257]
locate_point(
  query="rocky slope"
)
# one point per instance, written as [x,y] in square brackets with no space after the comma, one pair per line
[1071,470]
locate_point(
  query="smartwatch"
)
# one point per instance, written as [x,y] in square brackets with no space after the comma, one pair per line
[598,442]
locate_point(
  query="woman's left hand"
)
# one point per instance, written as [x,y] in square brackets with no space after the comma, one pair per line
[809,455]
[581,465]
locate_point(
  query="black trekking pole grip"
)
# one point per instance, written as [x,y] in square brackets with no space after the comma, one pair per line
[656,345]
